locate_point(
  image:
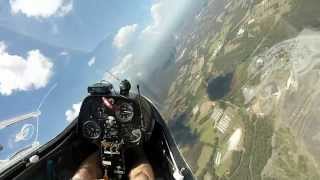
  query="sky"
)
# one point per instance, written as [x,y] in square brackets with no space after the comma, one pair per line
[51,50]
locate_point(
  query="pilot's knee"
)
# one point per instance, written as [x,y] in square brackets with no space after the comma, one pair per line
[140,176]
[83,174]
[88,169]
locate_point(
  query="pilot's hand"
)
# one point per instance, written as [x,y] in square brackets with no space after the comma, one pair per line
[142,172]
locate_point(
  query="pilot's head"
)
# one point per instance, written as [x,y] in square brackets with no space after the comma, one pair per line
[125,87]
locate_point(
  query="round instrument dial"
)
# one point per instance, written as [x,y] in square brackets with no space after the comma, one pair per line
[125,112]
[91,130]
[135,136]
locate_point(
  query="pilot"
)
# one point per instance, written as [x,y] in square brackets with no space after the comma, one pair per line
[141,169]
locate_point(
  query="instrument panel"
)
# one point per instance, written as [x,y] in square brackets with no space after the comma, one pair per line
[116,122]
[110,118]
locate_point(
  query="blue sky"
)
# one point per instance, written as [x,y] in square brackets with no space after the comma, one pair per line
[82,28]
[62,46]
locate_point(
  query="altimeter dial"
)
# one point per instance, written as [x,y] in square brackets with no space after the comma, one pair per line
[125,112]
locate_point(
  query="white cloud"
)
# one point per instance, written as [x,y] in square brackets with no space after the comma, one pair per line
[41,8]
[124,65]
[139,74]
[64,53]
[72,113]
[158,18]
[65,9]
[21,74]
[162,21]
[150,39]
[120,69]
[92,61]
[124,35]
